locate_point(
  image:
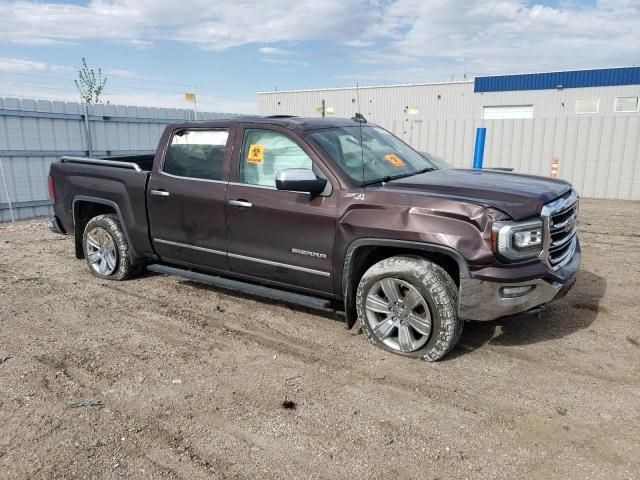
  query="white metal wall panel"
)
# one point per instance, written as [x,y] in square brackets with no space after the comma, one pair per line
[629,170]
[599,153]
[506,112]
[602,167]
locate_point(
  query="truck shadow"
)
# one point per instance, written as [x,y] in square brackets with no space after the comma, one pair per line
[332,314]
[577,311]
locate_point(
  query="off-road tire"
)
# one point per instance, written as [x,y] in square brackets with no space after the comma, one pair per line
[436,287]
[111,224]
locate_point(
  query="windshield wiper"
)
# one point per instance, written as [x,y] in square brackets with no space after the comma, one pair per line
[389,178]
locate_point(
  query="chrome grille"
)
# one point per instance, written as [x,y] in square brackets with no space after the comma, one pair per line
[560,218]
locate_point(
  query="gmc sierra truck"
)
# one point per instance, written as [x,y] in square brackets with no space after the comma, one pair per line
[335,211]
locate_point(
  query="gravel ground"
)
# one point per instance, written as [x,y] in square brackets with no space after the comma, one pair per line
[159,377]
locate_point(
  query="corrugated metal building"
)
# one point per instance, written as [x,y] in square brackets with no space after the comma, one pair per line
[589,120]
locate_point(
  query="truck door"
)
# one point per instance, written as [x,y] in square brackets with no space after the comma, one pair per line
[186,195]
[279,236]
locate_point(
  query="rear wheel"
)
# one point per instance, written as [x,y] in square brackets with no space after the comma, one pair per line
[408,306]
[106,248]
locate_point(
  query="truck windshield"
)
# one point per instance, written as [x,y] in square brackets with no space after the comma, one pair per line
[379,157]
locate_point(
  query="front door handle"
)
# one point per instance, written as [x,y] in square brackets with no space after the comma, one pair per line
[240,203]
[160,193]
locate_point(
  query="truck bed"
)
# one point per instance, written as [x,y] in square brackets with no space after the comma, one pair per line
[142,162]
[145,162]
[115,182]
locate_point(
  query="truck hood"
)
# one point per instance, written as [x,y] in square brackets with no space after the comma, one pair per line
[519,196]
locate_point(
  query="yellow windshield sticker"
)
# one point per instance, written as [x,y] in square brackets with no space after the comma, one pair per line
[394,160]
[256,153]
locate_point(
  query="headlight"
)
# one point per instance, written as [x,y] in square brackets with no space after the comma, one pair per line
[513,241]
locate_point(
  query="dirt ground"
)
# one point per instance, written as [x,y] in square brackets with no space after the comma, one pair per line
[159,377]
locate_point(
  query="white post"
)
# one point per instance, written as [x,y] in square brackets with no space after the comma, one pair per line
[87,128]
[195,103]
[6,190]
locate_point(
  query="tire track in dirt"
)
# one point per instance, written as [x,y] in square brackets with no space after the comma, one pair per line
[493,407]
[348,376]
[274,341]
[161,445]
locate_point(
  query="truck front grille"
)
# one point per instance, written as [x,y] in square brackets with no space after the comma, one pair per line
[560,219]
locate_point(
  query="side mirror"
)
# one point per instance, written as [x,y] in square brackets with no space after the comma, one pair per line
[300,180]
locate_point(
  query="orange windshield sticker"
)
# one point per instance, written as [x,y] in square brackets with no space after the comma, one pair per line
[256,153]
[394,160]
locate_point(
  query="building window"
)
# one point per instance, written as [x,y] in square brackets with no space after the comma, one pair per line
[587,105]
[505,112]
[626,104]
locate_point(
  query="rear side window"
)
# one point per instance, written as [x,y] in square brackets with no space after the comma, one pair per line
[197,154]
[264,152]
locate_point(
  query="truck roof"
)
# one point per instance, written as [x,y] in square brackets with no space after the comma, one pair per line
[288,121]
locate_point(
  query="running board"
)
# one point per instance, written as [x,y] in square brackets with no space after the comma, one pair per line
[246,288]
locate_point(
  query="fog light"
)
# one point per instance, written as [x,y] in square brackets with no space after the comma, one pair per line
[519,291]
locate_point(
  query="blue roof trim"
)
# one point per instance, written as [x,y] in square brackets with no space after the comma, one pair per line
[543,81]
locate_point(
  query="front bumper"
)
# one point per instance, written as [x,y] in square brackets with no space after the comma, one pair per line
[483,300]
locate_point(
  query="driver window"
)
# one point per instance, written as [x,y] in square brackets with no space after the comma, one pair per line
[264,152]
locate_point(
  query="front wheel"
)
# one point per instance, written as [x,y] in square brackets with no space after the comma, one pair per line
[106,248]
[408,306]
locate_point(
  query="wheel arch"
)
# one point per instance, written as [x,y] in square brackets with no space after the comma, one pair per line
[84,208]
[364,252]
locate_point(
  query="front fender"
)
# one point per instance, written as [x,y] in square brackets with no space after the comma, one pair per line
[349,286]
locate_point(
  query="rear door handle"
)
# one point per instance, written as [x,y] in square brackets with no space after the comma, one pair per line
[240,203]
[160,193]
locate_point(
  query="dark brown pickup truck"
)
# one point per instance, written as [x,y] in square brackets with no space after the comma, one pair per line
[326,211]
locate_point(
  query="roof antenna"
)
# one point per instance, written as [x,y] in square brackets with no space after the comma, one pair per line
[358,117]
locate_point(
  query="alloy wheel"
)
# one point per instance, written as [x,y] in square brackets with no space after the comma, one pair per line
[398,314]
[101,251]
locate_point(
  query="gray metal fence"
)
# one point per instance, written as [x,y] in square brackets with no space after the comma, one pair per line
[34,133]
